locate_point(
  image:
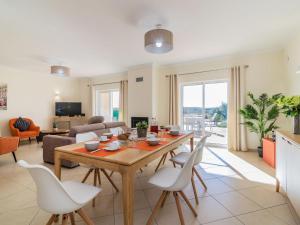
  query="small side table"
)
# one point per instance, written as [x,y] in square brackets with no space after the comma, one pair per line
[269,151]
[52,132]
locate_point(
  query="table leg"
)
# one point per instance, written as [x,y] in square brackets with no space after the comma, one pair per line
[57,164]
[277,185]
[128,189]
[192,143]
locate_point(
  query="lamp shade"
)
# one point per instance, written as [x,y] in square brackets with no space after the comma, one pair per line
[61,71]
[159,41]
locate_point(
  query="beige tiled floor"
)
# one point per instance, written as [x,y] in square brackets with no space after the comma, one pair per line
[240,191]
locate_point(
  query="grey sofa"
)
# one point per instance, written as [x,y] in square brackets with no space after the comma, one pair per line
[50,142]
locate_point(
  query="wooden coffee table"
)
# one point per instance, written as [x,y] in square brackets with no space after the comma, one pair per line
[51,132]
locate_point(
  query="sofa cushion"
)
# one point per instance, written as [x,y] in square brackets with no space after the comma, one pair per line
[21,124]
[114,124]
[96,119]
[96,128]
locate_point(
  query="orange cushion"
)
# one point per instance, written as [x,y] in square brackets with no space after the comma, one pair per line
[27,134]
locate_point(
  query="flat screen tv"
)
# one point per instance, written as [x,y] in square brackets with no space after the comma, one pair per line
[68,109]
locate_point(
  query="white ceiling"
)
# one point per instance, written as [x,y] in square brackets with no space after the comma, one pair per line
[97,37]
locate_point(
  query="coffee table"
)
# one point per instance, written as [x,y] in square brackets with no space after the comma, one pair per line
[51,132]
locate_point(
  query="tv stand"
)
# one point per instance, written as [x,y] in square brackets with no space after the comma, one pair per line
[66,122]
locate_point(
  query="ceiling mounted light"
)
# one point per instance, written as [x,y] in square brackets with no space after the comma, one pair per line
[159,40]
[61,71]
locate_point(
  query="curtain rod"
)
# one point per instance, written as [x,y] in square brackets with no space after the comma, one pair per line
[115,82]
[205,71]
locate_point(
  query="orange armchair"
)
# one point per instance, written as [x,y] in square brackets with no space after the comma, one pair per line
[9,144]
[32,132]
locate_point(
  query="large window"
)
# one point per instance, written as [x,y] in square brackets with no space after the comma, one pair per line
[204,108]
[107,104]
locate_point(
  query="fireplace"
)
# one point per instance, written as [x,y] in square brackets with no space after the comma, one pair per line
[135,120]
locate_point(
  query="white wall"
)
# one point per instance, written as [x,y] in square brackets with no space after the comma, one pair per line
[292,61]
[32,95]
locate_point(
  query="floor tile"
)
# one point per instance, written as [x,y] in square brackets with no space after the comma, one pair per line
[238,182]
[215,186]
[262,217]
[264,197]
[140,217]
[283,212]
[229,221]
[236,203]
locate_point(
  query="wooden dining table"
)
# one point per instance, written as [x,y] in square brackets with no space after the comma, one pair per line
[126,161]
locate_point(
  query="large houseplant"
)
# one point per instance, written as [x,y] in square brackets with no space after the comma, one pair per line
[290,107]
[142,129]
[260,116]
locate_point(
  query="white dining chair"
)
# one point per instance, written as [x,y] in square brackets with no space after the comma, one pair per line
[173,180]
[182,157]
[84,137]
[60,198]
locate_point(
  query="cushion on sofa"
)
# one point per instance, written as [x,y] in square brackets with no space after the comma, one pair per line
[96,119]
[96,128]
[22,124]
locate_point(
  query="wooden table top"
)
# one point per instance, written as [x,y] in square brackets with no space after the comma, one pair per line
[126,157]
[293,137]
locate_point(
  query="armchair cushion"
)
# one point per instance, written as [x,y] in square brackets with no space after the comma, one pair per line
[33,130]
[22,124]
[8,144]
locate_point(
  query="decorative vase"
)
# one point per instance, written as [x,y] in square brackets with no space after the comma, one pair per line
[142,132]
[260,151]
[297,124]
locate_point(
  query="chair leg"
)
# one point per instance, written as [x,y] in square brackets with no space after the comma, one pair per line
[188,203]
[65,219]
[172,155]
[29,140]
[199,177]
[51,220]
[95,184]
[178,208]
[111,173]
[165,198]
[195,190]
[110,180]
[15,158]
[166,155]
[160,161]
[72,218]
[87,175]
[98,175]
[158,204]
[85,217]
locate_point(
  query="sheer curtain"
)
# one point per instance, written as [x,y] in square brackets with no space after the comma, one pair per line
[236,130]
[123,101]
[173,99]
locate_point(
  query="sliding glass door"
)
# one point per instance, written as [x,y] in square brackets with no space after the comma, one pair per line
[107,104]
[204,109]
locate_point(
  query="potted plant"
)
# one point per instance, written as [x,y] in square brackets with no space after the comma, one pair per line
[260,116]
[142,129]
[290,107]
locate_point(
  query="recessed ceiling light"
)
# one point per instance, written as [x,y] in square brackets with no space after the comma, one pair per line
[61,71]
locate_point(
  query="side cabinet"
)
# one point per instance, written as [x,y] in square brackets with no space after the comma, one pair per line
[281,159]
[288,168]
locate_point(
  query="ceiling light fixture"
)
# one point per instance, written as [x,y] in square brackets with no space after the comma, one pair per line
[159,40]
[61,71]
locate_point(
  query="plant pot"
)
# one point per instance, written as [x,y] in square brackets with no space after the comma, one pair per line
[260,151]
[141,133]
[297,124]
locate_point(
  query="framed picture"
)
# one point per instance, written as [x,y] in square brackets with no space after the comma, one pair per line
[3,97]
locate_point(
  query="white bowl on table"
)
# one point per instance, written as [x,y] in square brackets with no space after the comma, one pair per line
[152,141]
[91,145]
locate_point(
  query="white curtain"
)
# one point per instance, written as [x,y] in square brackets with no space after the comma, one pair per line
[236,130]
[123,110]
[173,99]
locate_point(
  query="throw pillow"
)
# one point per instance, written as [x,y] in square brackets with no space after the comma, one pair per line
[22,124]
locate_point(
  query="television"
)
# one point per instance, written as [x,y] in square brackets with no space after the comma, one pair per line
[68,109]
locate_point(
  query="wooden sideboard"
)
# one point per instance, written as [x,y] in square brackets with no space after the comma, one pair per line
[288,166]
[66,122]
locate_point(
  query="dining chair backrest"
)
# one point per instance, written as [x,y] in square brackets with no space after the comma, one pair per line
[199,149]
[185,174]
[83,137]
[51,195]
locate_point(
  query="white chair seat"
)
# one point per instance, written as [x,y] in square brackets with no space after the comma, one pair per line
[165,178]
[181,158]
[79,192]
